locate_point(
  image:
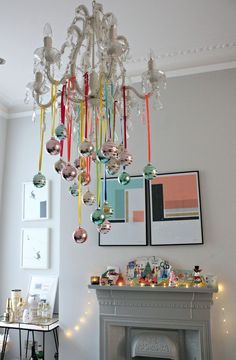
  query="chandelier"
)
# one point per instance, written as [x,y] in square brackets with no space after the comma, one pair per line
[86,87]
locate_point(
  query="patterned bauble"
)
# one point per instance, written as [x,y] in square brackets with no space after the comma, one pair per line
[86,148]
[125,158]
[85,178]
[73,189]
[104,228]
[149,172]
[39,180]
[80,163]
[59,166]
[113,167]
[101,158]
[97,217]
[109,150]
[80,235]
[69,172]
[60,132]
[89,198]
[124,178]
[94,156]
[120,149]
[53,146]
[107,210]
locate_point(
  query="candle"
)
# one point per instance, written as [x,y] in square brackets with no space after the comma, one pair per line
[95,280]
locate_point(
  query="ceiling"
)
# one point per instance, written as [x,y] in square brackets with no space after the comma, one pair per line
[184,34]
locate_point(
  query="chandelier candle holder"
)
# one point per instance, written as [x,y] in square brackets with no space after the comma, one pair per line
[86,80]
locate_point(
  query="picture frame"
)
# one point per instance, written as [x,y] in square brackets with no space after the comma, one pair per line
[35,202]
[34,248]
[133,215]
[45,287]
[175,209]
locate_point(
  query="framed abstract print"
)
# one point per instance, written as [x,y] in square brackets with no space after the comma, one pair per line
[35,202]
[175,209]
[129,222]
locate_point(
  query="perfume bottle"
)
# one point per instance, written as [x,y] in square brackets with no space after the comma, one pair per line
[8,314]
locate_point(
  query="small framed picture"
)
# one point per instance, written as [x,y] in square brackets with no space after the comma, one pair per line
[45,287]
[176,209]
[35,202]
[35,248]
[129,222]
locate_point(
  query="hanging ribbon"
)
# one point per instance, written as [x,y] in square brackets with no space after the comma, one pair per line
[82,121]
[71,85]
[114,120]
[86,91]
[125,118]
[62,117]
[148,128]
[105,185]
[42,129]
[53,107]
[79,201]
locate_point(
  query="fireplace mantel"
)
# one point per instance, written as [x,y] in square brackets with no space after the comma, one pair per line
[159,308]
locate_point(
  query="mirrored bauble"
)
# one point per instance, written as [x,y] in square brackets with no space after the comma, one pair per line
[107,210]
[69,172]
[53,146]
[80,163]
[85,178]
[109,150]
[39,180]
[89,198]
[86,148]
[94,156]
[97,217]
[59,166]
[149,172]
[120,149]
[113,167]
[60,132]
[73,189]
[125,158]
[104,228]
[80,235]
[124,178]
[101,158]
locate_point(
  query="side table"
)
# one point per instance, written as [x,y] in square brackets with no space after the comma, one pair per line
[44,328]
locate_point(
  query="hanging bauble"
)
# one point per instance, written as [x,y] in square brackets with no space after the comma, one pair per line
[94,156]
[53,146]
[149,172]
[125,158]
[120,149]
[107,210]
[97,217]
[59,166]
[86,148]
[60,132]
[80,235]
[85,178]
[89,198]
[101,158]
[73,189]
[104,228]
[39,180]
[113,167]
[80,163]
[69,172]
[124,178]
[109,150]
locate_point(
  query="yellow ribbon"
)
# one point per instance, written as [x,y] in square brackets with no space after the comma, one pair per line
[42,129]
[82,111]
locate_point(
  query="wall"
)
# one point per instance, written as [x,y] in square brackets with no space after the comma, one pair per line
[3,125]
[196,130]
[21,163]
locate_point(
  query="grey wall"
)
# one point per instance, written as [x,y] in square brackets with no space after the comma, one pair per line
[3,132]
[21,162]
[195,131]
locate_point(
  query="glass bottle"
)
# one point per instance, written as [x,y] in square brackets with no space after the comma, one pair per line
[33,354]
[46,312]
[19,309]
[40,353]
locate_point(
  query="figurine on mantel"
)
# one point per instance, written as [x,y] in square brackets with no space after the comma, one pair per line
[198,280]
[110,276]
[173,280]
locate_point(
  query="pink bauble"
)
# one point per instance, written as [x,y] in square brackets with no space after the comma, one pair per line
[69,172]
[80,235]
[125,158]
[104,228]
[53,146]
[109,150]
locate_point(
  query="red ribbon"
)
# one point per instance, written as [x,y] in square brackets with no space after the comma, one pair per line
[148,128]
[62,117]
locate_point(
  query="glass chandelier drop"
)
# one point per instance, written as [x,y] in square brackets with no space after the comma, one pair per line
[86,87]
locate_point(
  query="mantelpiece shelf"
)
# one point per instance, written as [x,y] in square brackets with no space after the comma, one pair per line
[154,289]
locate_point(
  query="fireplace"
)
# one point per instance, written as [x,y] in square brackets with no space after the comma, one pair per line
[154,323]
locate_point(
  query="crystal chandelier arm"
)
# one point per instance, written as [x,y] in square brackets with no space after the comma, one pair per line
[52,80]
[48,104]
[141,96]
[82,9]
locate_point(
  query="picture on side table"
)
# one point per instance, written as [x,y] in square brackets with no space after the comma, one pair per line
[131,211]
[176,209]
